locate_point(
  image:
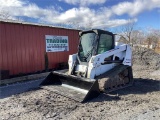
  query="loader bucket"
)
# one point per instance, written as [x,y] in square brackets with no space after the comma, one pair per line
[77,88]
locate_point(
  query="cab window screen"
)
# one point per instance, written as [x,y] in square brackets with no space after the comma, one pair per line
[88,41]
[105,43]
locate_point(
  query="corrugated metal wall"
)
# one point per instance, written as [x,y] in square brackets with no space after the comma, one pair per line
[22,47]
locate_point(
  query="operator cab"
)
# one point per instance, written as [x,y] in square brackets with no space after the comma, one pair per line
[94,42]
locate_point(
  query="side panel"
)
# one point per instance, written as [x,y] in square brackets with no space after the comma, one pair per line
[96,64]
[22,47]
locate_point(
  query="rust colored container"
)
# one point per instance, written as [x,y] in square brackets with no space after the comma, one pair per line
[23,47]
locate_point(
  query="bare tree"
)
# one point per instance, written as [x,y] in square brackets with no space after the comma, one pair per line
[125,33]
[137,37]
[4,14]
[152,38]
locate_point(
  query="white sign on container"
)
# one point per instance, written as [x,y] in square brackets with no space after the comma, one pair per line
[56,43]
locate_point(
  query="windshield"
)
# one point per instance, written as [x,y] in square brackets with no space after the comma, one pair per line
[86,45]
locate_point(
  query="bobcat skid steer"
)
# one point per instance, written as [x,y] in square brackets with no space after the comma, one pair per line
[100,65]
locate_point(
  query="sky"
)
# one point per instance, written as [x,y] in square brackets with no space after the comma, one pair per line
[85,13]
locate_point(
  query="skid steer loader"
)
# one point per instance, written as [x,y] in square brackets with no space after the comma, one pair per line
[100,65]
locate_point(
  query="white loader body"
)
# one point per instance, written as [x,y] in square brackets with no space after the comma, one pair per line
[96,67]
[100,65]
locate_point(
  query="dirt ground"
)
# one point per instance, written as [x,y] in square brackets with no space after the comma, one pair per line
[139,102]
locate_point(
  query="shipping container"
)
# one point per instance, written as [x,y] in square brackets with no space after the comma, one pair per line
[23,46]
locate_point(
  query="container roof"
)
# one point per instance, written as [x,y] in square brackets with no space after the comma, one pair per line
[30,23]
